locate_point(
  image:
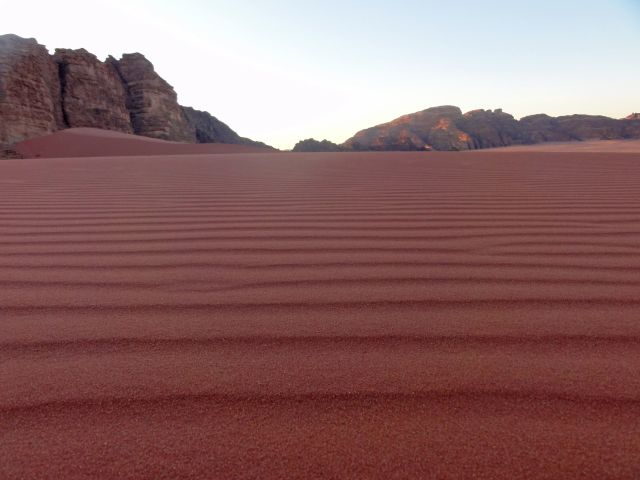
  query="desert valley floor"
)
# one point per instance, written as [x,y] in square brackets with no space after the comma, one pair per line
[354,315]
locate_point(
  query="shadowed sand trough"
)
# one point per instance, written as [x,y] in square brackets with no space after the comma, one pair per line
[425,315]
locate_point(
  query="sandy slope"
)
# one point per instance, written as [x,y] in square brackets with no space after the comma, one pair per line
[321,315]
[93,142]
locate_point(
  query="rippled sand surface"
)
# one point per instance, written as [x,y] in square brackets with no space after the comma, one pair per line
[423,315]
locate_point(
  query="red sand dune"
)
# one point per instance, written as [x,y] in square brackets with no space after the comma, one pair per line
[374,315]
[93,142]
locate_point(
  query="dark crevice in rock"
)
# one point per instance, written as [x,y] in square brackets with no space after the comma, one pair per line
[116,68]
[63,85]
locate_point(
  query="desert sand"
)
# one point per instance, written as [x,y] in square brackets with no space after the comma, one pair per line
[93,142]
[601,146]
[356,315]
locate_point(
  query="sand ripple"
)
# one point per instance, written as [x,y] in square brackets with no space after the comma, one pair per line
[271,315]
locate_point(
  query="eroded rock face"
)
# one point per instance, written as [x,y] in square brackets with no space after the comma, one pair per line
[29,90]
[40,94]
[208,129]
[445,128]
[543,128]
[152,102]
[92,92]
[490,128]
[631,126]
[590,127]
[431,129]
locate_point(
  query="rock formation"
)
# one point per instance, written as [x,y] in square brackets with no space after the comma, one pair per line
[92,92]
[434,128]
[542,128]
[631,126]
[40,94]
[446,128]
[313,145]
[152,102]
[489,128]
[30,102]
[208,129]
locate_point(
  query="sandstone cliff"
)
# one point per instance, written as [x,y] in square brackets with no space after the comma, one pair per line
[30,103]
[152,102]
[92,92]
[41,93]
[446,128]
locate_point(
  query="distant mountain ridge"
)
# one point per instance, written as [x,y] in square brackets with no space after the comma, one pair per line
[447,128]
[42,93]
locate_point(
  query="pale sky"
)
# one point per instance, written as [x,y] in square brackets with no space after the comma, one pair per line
[284,70]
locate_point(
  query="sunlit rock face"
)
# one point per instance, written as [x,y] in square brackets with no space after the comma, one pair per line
[433,128]
[30,102]
[446,128]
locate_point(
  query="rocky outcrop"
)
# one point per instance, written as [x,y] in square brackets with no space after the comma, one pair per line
[40,94]
[446,128]
[542,128]
[590,127]
[631,126]
[152,102]
[434,128]
[92,92]
[313,145]
[208,129]
[490,128]
[29,90]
